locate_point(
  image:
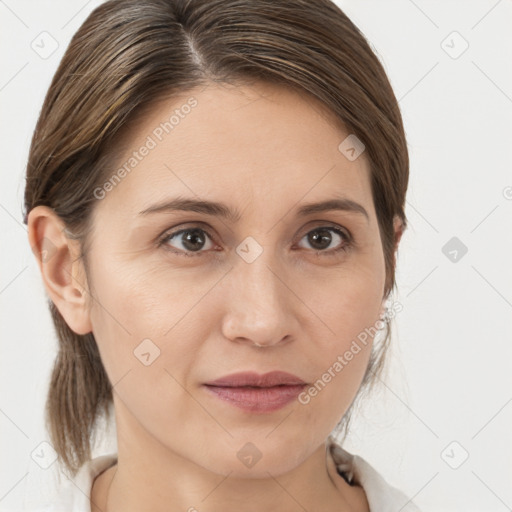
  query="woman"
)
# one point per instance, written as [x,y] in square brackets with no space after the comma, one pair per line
[215,192]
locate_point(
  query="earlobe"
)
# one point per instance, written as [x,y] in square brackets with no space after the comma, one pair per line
[398,228]
[399,231]
[61,269]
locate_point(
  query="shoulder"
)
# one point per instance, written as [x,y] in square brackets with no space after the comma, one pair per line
[63,493]
[381,496]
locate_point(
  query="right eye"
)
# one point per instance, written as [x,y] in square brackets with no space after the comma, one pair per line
[190,241]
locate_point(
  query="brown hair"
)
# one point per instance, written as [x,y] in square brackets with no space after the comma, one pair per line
[130,53]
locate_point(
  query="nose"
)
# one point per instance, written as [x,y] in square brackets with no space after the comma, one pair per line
[259,308]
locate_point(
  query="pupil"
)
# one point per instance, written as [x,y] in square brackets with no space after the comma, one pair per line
[193,240]
[326,237]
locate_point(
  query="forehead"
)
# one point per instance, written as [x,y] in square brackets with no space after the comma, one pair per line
[254,143]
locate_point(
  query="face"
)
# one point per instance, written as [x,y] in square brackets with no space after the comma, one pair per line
[185,296]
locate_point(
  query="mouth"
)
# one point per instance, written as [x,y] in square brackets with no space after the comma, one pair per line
[257,393]
[253,379]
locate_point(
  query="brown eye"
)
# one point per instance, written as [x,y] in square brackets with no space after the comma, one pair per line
[327,239]
[188,241]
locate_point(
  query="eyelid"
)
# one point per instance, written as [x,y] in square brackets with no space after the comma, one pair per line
[348,241]
[176,230]
[327,224]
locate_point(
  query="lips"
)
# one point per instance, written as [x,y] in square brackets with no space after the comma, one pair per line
[267,380]
[257,393]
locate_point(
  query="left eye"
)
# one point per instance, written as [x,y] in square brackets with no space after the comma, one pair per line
[320,238]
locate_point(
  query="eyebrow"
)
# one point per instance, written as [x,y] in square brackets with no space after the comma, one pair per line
[233,215]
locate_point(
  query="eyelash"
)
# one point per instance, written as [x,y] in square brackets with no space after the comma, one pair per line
[345,247]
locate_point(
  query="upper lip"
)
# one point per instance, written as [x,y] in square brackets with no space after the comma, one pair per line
[254,379]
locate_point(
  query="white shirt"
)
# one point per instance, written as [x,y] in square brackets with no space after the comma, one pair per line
[74,495]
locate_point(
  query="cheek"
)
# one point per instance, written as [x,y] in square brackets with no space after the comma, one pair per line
[340,360]
[349,309]
[125,312]
[142,327]
[324,403]
[134,299]
[142,314]
[346,301]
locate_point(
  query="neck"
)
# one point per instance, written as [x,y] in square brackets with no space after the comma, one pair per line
[149,476]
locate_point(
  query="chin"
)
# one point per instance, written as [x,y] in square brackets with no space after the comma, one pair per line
[253,460]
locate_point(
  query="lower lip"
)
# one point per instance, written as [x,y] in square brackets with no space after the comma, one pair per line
[258,399]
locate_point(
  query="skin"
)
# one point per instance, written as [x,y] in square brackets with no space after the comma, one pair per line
[265,151]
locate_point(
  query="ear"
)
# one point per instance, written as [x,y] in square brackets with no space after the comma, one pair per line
[62,271]
[399,231]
